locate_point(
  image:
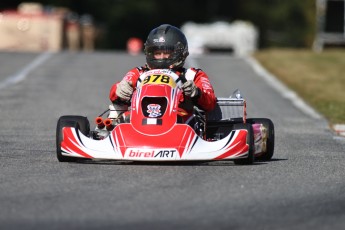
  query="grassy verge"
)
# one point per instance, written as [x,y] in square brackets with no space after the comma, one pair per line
[318,78]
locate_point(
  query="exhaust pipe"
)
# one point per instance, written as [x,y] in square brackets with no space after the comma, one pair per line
[109,124]
[99,122]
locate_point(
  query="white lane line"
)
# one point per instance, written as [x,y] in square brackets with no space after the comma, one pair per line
[23,73]
[280,87]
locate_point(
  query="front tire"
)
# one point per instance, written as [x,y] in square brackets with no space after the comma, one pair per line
[250,141]
[268,124]
[78,122]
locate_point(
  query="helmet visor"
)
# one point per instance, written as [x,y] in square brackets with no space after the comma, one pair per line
[164,56]
[159,52]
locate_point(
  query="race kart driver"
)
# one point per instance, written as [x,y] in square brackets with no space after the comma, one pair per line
[166,48]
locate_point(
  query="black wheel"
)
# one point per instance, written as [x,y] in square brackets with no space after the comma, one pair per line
[268,124]
[78,122]
[250,141]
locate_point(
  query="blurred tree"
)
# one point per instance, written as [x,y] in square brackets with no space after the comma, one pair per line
[280,22]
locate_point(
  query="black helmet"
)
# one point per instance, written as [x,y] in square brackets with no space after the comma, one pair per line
[166,38]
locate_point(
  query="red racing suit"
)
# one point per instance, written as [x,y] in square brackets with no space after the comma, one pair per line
[206,100]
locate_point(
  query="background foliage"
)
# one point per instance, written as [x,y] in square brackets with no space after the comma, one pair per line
[287,23]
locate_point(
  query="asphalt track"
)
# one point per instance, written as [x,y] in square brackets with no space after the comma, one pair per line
[303,187]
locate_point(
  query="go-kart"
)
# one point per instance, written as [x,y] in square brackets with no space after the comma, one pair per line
[154,130]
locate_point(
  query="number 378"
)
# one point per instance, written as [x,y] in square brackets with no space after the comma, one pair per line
[157,78]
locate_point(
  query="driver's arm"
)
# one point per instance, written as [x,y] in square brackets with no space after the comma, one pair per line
[131,77]
[207,99]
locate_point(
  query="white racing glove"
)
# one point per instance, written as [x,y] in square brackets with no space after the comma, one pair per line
[190,89]
[124,90]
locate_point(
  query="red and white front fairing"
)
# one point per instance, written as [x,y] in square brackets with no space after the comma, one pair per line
[153,133]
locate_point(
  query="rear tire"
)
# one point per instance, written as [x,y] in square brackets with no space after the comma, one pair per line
[268,124]
[78,122]
[250,141]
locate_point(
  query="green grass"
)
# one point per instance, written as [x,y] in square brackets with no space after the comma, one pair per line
[318,78]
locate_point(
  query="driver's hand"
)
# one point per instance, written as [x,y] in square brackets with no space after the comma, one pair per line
[190,89]
[124,90]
